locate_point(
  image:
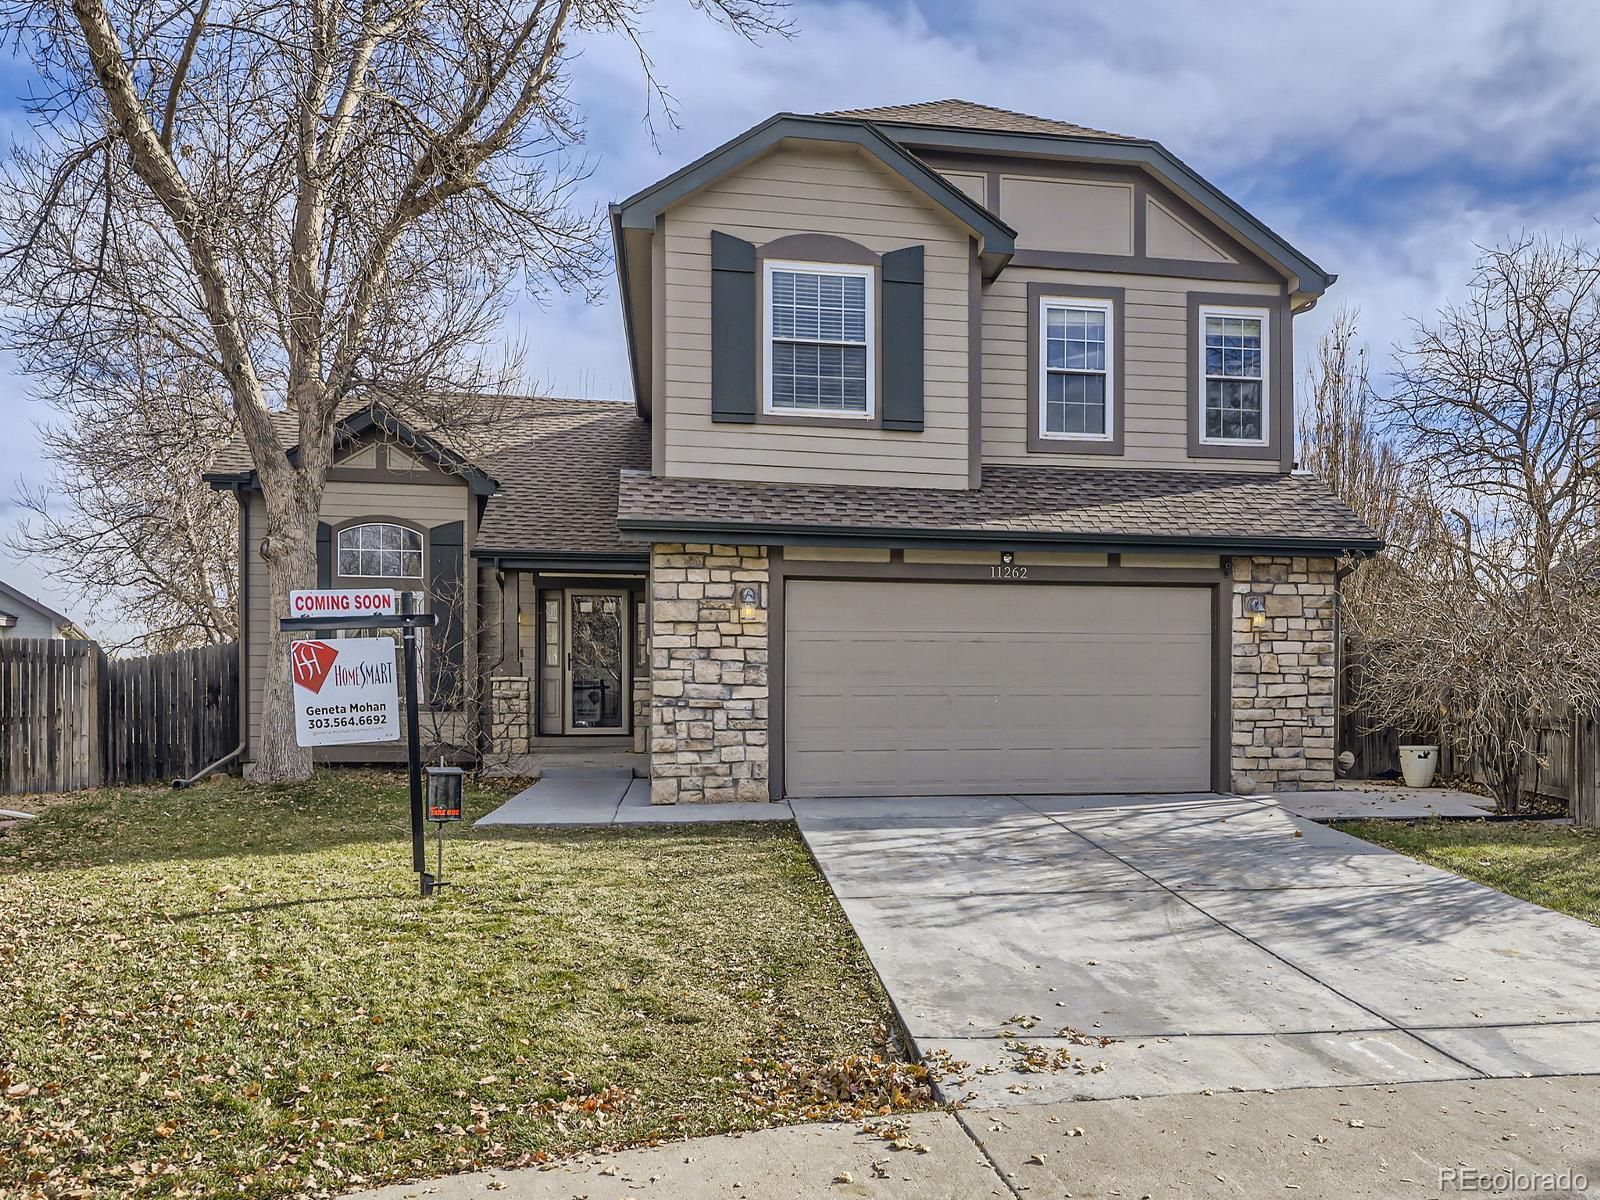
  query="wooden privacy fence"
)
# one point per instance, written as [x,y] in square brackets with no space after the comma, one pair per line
[1563,764]
[72,717]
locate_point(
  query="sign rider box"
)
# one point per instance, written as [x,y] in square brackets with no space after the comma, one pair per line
[345,690]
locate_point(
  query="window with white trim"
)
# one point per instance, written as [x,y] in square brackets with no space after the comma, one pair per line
[1075,363]
[1234,372]
[819,343]
[380,551]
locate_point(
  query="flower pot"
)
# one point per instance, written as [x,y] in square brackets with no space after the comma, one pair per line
[1418,763]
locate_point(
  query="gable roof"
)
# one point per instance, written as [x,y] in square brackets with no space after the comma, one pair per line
[633,220]
[553,465]
[962,126]
[360,415]
[965,114]
[19,598]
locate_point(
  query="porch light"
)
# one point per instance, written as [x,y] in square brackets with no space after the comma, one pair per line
[1256,606]
[749,602]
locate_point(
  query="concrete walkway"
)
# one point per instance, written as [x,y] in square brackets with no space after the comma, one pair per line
[1358,801]
[1369,1143]
[1213,942]
[600,796]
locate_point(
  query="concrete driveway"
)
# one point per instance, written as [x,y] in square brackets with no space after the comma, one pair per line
[1217,942]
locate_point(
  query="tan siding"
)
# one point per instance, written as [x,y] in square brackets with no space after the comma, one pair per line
[795,190]
[974,186]
[1066,214]
[1155,371]
[421,504]
[1167,236]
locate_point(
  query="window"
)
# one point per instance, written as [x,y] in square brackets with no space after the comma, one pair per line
[1076,353]
[819,340]
[380,551]
[1233,397]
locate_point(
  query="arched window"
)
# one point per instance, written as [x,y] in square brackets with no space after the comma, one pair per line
[380,551]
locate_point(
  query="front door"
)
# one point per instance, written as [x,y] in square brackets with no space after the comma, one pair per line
[596,684]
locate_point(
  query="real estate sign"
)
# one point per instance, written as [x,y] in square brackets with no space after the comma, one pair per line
[345,690]
[346,602]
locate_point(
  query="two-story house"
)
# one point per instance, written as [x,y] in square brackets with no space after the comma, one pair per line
[960,461]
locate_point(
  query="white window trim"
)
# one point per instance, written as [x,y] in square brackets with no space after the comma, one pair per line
[1229,310]
[1046,303]
[817,268]
[422,549]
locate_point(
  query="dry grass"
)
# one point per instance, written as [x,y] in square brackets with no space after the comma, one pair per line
[237,992]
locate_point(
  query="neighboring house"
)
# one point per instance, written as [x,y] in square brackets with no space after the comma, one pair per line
[960,461]
[21,616]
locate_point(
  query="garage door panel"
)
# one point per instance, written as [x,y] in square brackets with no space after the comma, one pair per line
[907,688]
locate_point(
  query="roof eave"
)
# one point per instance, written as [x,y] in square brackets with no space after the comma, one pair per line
[658,528]
[1308,280]
[639,211]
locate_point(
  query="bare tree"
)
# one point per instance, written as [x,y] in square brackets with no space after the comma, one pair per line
[1343,441]
[307,200]
[1489,623]
[128,522]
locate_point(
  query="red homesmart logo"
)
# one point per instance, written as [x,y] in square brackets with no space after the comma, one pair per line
[312,661]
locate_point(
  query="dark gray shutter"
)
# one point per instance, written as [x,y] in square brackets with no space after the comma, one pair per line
[324,555]
[733,329]
[446,597]
[902,338]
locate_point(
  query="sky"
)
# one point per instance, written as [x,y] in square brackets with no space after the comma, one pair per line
[1386,140]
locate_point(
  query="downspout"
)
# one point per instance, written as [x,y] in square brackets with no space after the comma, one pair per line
[1340,574]
[242,701]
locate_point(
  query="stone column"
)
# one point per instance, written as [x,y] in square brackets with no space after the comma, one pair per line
[1283,674]
[708,692]
[511,714]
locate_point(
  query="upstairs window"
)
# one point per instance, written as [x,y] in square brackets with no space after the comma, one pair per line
[819,340]
[380,551]
[1233,398]
[1076,354]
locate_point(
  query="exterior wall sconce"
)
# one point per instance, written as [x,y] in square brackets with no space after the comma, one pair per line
[1256,606]
[749,602]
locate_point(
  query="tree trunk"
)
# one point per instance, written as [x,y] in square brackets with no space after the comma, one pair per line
[290,553]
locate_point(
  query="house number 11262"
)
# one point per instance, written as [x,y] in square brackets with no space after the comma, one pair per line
[1007,571]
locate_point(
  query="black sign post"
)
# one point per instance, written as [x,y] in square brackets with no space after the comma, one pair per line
[408,623]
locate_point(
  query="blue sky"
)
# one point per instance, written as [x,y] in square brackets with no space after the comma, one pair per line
[1386,140]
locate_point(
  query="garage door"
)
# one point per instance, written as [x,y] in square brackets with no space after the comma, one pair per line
[926,688]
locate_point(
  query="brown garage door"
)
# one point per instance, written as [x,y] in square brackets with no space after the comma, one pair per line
[929,688]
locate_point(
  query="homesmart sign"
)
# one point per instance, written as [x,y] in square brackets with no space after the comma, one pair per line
[345,690]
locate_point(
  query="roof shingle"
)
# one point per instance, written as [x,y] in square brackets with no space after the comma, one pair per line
[1075,505]
[964,114]
[557,463]
[558,475]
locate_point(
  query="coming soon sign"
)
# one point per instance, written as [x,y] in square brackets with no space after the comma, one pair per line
[348,602]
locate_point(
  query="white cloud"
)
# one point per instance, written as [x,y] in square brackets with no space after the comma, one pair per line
[1383,137]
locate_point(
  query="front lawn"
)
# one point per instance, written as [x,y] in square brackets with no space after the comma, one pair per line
[1557,866]
[236,991]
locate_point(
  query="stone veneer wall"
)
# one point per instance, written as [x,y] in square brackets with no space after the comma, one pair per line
[510,714]
[708,687]
[1283,675]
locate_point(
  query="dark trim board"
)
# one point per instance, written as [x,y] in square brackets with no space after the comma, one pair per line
[1248,265]
[639,211]
[771,534]
[1280,433]
[1152,156]
[1038,292]
[782,570]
